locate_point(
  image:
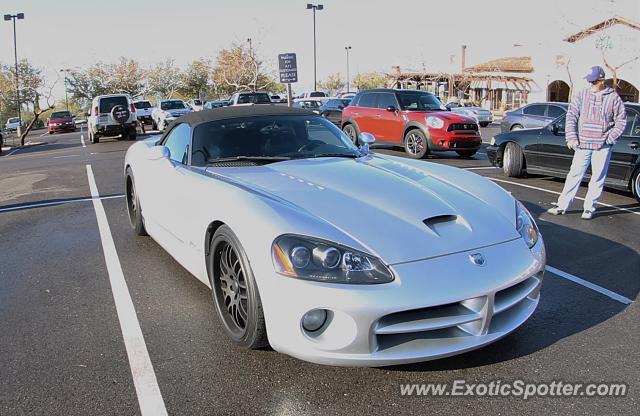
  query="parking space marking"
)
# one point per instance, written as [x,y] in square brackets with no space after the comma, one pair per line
[481,168]
[144,377]
[56,202]
[592,286]
[82,140]
[558,193]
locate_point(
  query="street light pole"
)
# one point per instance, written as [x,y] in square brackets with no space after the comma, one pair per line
[314,7]
[13,17]
[348,48]
[66,96]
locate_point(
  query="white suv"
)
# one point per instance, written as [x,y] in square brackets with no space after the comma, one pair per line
[112,115]
[166,111]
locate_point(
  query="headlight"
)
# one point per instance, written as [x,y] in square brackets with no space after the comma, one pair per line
[435,122]
[492,142]
[525,225]
[323,261]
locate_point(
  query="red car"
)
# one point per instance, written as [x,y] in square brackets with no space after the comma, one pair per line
[415,120]
[60,121]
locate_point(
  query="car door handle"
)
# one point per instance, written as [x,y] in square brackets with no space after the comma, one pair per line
[634,145]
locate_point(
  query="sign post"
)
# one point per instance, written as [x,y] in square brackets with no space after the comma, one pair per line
[288,68]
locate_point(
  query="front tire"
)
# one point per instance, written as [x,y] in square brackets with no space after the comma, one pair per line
[513,160]
[415,144]
[234,290]
[635,185]
[133,205]
[351,132]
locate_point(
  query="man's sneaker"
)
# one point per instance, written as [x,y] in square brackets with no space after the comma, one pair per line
[587,215]
[555,211]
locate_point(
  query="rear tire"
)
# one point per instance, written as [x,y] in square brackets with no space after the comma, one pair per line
[133,205]
[512,160]
[235,292]
[415,144]
[133,134]
[94,138]
[466,153]
[154,126]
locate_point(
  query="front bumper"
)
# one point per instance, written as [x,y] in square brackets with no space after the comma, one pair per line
[61,127]
[434,308]
[454,141]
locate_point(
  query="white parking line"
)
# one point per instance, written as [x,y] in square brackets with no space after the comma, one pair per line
[82,140]
[144,378]
[482,168]
[592,286]
[13,151]
[558,193]
[61,157]
[52,203]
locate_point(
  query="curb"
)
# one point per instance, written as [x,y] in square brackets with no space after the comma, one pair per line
[26,146]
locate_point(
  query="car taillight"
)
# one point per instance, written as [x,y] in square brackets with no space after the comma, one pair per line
[95,110]
[133,108]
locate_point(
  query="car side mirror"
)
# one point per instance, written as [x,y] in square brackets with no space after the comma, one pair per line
[391,108]
[366,139]
[158,152]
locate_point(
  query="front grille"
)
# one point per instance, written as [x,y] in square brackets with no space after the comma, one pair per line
[468,318]
[233,163]
[462,127]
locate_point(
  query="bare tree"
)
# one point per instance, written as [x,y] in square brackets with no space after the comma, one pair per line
[604,44]
[238,69]
[164,79]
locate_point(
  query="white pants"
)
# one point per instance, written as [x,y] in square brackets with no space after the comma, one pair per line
[599,160]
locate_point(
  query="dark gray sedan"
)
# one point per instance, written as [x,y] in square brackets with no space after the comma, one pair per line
[532,116]
[544,151]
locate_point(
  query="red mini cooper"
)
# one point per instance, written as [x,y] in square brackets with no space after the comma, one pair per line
[415,120]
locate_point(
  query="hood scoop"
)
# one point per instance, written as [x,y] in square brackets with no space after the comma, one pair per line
[447,225]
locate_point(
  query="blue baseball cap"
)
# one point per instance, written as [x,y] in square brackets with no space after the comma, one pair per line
[596,73]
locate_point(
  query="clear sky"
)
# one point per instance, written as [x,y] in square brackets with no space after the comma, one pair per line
[414,34]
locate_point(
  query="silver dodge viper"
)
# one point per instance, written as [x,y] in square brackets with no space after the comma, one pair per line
[327,251]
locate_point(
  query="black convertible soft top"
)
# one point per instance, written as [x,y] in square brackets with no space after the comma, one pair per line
[224,113]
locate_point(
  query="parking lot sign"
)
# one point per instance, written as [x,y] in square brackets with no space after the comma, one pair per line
[288,68]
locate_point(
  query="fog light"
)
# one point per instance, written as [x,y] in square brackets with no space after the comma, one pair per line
[313,320]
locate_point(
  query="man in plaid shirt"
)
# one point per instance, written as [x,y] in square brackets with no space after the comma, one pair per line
[595,119]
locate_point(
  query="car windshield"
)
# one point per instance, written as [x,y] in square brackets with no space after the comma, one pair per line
[60,114]
[259,98]
[172,105]
[197,102]
[142,105]
[308,104]
[420,102]
[271,138]
[13,120]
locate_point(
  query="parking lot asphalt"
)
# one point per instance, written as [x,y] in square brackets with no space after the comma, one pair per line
[62,349]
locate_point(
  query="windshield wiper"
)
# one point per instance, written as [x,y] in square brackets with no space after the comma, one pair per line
[347,155]
[250,158]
